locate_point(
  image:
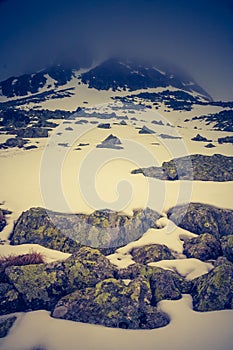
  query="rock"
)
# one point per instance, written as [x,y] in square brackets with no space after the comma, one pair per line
[113,304]
[66,232]
[227,247]
[123,122]
[227,139]
[2,220]
[203,218]
[210,145]
[10,300]
[69,128]
[151,253]
[104,126]
[14,142]
[37,226]
[32,132]
[172,137]
[111,142]
[42,285]
[157,122]
[27,148]
[5,325]
[200,138]
[146,130]
[195,167]
[203,247]
[214,290]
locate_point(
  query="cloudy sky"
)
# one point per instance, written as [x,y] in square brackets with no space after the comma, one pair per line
[196,35]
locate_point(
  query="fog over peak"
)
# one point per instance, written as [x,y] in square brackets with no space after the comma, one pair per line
[196,36]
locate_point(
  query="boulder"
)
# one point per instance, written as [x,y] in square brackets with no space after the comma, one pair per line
[113,304]
[204,247]
[41,286]
[32,132]
[214,290]
[112,142]
[151,253]
[104,126]
[146,130]
[227,247]
[203,218]
[103,229]
[200,138]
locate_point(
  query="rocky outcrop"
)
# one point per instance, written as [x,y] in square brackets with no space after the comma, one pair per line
[146,130]
[10,300]
[200,138]
[194,167]
[104,126]
[203,218]
[203,247]
[227,139]
[103,229]
[13,142]
[32,132]
[227,247]
[113,304]
[214,290]
[41,286]
[151,253]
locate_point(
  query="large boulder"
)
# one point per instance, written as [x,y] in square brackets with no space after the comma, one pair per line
[42,285]
[113,304]
[214,290]
[203,218]
[227,247]
[151,253]
[103,229]
[203,247]
[32,132]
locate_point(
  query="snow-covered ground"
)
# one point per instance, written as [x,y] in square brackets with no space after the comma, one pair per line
[65,179]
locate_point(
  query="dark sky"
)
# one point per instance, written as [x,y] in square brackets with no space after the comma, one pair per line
[193,34]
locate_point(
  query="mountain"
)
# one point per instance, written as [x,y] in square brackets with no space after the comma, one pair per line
[113,75]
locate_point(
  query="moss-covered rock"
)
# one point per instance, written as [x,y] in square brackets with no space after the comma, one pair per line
[203,247]
[113,304]
[227,247]
[165,284]
[103,229]
[10,300]
[151,253]
[42,285]
[5,325]
[194,167]
[214,290]
[203,218]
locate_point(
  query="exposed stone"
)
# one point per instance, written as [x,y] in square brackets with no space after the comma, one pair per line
[111,142]
[32,132]
[203,218]
[66,232]
[227,247]
[203,247]
[146,130]
[104,126]
[113,304]
[5,325]
[151,253]
[10,300]
[198,137]
[214,291]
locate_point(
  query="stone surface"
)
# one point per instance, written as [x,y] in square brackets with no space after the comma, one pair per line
[113,304]
[112,142]
[5,325]
[204,247]
[203,218]
[10,300]
[227,247]
[151,253]
[103,229]
[214,291]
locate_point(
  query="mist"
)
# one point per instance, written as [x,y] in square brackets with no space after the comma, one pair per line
[197,36]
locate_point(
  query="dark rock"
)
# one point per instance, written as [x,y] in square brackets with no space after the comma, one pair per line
[27,148]
[227,247]
[113,304]
[172,137]
[157,122]
[227,139]
[32,132]
[203,218]
[195,167]
[5,325]
[203,247]
[42,285]
[69,128]
[104,126]
[146,130]
[151,253]
[123,122]
[214,290]
[65,232]
[15,142]
[2,220]
[10,300]
[200,138]
[210,145]
[111,142]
